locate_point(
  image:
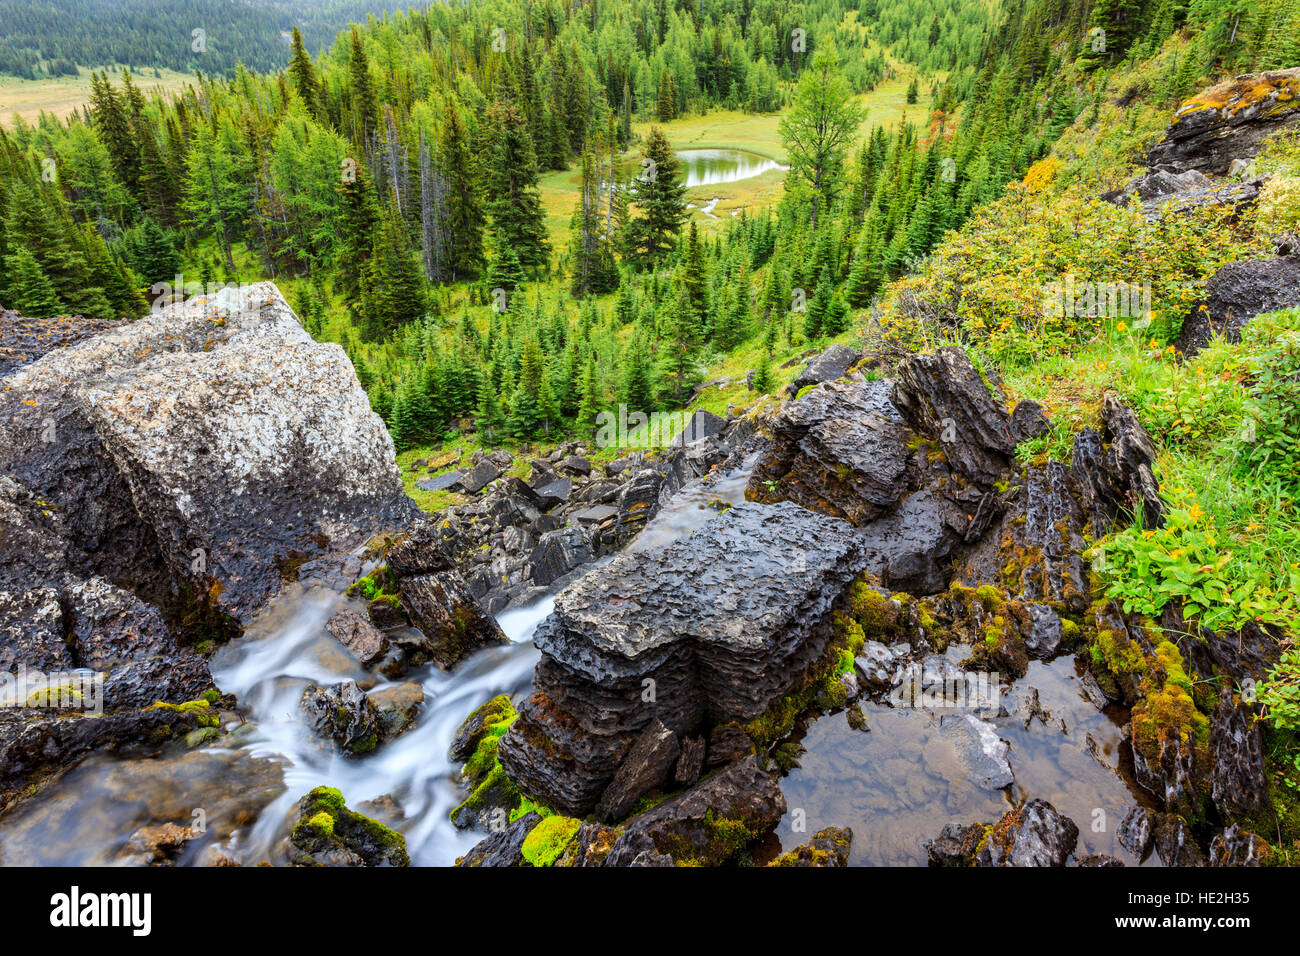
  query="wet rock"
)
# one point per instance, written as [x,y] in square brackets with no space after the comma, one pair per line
[1099,860]
[942,395]
[37,741]
[645,767]
[841,450]
[385,614]
[1175,844]
[327,833]
[159,845]
[702,424]
[477,725]
[343,714]
[876,664]
[1229,121]
[1136,831]
[979,750]
[504,847]
[1238,847]
[723,622]
[727,744]
[701,826]
[914,545]
[833,363]
[23,340]
[956,845]
[363,640]
[829,847]
[1239,778]
[452,622]
[1237,293]
[1044,638]
[397,706]
[1034,834]
[173,678]
[206,447]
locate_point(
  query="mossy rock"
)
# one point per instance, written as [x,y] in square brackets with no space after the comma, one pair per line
[329,834]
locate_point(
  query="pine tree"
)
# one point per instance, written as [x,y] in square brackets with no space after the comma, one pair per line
[304,74]
[513,198]
[660,198]
[28,289]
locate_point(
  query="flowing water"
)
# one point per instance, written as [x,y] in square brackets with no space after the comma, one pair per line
[895,784]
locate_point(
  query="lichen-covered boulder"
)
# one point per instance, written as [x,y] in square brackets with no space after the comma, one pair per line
[200,449]
[828,848]
[1229,121]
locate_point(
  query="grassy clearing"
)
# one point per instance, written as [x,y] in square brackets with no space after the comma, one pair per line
[62,96]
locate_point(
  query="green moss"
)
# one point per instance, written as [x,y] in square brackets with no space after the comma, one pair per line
[549,839]
[326,821]
[201,709]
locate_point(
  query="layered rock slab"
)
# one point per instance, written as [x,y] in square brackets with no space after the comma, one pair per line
[712,628]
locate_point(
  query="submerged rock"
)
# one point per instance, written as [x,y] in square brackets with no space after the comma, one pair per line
[362,639]
[979,750]
[719,625]
[828,847]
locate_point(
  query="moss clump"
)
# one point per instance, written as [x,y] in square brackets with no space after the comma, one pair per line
[877,614]
[549,839]
[379,585]
[490,788]
[1167,716]
[201,709]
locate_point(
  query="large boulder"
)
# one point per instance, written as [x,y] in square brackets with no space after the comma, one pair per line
[1237,293]
[1229,121]
[719,625]
[198,451]
[942,394]
[842,450]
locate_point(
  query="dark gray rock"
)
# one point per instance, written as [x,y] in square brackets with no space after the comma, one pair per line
[829,847]
[1237,293]
[690,765]
[1175,844]
[1229,122]
[558,553]
[831,364]
[1034,834]
[1044,638]
[503,848]
[1239,778]
[1136,831]
[443,482]
[574,465]
[1028,421]
[723,622]
[841,450]
[452,622]
[1238,847]
[956,844]
[686,827]
[646,766]
[343,714]
[942,395]
[702,424]
[477,478]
